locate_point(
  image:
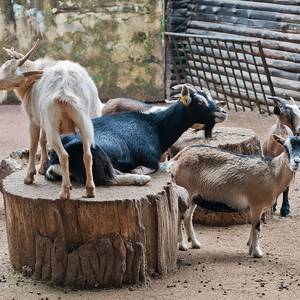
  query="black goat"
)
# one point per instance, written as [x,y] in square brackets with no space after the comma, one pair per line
[134,142]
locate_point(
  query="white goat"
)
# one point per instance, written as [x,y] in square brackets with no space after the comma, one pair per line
[58,96]
[214,175]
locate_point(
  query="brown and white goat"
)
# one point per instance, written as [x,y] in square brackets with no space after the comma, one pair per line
[287,124]
[213,175]
[58,97]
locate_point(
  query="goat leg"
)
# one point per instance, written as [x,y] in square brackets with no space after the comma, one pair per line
[188,225]
[44,154]
[182,243]
[285,207]
[64,162]
[34,140]
[255,223]
[141,170]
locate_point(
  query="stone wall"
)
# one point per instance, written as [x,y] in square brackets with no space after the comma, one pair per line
[119,42]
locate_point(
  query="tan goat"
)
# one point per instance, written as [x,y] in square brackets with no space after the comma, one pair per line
[287,124]
[213,175]
[58,96]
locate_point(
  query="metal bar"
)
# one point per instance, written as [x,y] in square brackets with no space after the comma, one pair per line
[209,37]
[210,69]
[249,71]
[259,79]
[173,60]
[218,70]
[241,71]
[265,66]
[226,74]
[193,58]
[201,62]
[187,61]
[180,60]
[229,57]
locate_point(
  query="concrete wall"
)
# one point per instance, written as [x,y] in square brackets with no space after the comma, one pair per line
[119,42]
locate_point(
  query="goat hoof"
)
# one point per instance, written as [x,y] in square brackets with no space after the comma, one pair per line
[28,179]
[65,194]
[143,179]
[250,250]
[42,169]
[196,245]
[285,212]
[183,247]
[90,192]
[257,253]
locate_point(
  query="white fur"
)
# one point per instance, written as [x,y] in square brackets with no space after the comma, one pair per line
[58,96]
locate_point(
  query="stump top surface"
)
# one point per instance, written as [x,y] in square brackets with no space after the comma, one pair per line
[221,136]
[44,189]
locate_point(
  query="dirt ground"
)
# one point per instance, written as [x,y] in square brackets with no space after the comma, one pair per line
[221,269]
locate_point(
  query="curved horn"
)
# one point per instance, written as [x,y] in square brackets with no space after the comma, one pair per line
[28,54]
[189,86]
[170,101]
[292,99]
[278,100]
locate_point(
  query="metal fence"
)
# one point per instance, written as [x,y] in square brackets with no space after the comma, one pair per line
[235,71]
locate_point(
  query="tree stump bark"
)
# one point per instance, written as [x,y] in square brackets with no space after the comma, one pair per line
[233,139]
[124,235]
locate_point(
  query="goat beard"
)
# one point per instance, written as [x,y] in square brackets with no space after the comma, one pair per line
[208,128]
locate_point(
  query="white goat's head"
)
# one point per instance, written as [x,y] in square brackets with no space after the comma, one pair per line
[13,75]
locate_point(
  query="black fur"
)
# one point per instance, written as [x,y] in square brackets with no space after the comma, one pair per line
[212,205]
[127,140]
[102,168]
[257,226]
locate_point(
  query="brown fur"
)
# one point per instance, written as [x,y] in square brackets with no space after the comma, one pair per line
[118,105]
[235,180]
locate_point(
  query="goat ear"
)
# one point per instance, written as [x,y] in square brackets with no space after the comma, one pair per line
[276,110]
[33,73]
[32,76]
[220,103]
[185,98]
[278,139]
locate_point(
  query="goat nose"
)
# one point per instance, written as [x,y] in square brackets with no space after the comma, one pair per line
[297,161]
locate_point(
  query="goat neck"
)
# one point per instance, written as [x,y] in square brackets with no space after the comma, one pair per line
[282,172]
[172,123]
[23,92]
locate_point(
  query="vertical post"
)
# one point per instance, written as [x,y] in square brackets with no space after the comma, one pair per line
[263,59]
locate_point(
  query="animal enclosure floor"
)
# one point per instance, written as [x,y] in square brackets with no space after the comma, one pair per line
[221,269]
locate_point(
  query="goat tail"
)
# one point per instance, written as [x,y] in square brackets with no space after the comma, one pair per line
[64,98]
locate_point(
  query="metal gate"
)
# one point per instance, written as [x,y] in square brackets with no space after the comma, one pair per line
[235,71]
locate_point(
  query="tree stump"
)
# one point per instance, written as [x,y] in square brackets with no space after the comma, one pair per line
[124,235]
[236,140]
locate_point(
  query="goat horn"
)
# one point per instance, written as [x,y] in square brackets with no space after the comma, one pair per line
[292,99]
[170,101]
[12,53]
[278,100]
[26,56]
[189,86]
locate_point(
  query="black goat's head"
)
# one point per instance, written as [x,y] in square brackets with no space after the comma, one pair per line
[204,110]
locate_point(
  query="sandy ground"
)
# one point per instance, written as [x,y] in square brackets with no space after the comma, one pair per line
[221,269]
